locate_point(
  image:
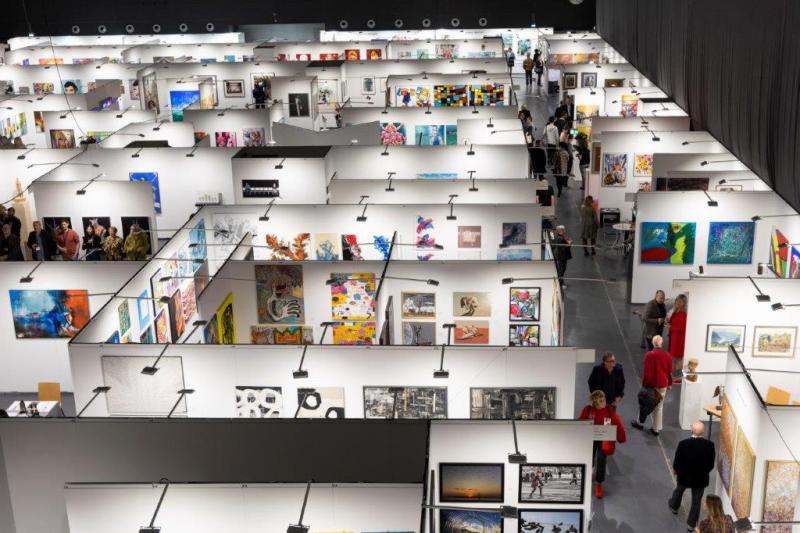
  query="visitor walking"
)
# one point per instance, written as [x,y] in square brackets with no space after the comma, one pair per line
[510,59]
[561,167]
[656,380]
[561,245]
[609,377]
[527,66]
[694,460]
[589,226]
[655,313]
[584,156]
[602,415]
[677,334]
[716,521]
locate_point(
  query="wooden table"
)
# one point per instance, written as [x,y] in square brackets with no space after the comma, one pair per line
[713,410]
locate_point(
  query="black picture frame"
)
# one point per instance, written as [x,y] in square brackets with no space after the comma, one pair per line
[521,520]
[582,483]
[444,475]
[570,80]
[444,513]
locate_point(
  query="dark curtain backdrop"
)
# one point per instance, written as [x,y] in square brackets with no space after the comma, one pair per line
[733,65]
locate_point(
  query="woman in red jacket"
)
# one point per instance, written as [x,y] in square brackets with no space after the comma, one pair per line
[677,333]
[602,415]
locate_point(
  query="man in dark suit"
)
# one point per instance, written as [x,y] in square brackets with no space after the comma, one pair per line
[609,378]
[694,460]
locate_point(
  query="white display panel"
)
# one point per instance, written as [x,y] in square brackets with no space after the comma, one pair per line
[212,121]
[130,40]
[300,181]
[191,53]
[609,124]
[505,131]
[693,161]
[429,81]
[360,134]
[84,122]
[208,508]
[693,207]
[408,191]
[177,134]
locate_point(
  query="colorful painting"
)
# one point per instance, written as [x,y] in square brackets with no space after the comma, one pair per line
[417,96]
[630,105]
[488,94]
[354,333]
[41,88]
[374,54]
[450,95]
[188,300]
[148,336]
[437,175]
[781,482]
[472,304]
[143,308]
[162,327]
[179,100]
[226,321]
[731,243]
[225,139]
[446,51]
[418,304]
[176,323]
[279,294]
[281,335]
[643,165]
[296,250]
[38,120]
[425,232]
[463,520]
[327,247]
[727,443]
[471,332]
[49,314]
[419,333]
[152,179]
[552,483]
[471,482]
[514,233]
[774,341]
[254,137]
[779,253]
[719,337]
[524,303]
[352,54]
[124,316]
[62,139]
[583,118]
[433,135]
[353,296]
[670,243]
[71,87]
[515,254]
[469,236]
[351,250]
[211,331]
[744,466]
[615,170]
[526,335]
[233,88]
[393,133]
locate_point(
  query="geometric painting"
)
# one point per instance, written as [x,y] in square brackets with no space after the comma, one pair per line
[780,494]
[279,294]
[463,520]
[615,170]
[521,403]
[226,325]
[670,243]
[135,394]
[49,314]
[744,465]
[727,444]
[320,402]
[566,520]
[553,483]
[524,303]
[353,296]
[258,402]
[471,482]
[731,243]
[472,304]
[779,253]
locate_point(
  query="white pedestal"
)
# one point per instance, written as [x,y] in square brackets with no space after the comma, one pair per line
[691,408]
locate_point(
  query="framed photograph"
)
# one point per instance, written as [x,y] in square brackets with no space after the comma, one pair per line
[551,483]
[418,304]
[728,187]
[534,403]
[298,105]
[234,88]
[471,482]
[774,341]
[719,337]
[568,520]
[405,403]
[461,520]
[615,82]
[570,80]
[588,79]
[368,85]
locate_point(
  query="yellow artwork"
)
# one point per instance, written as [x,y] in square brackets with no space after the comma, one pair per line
[643,165]
[353,296]
[226,321]
[354,333]
[727,444]
[744,466]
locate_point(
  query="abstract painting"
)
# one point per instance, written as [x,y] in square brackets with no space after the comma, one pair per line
[682,184]
[779,252]
[135,394]
[296,250]
[727,443]
[566,520]
[418,304]
[469,236]
[491,94]
[425,232]
[393,133]
[514,254]
[259,402]
[124,316]
[230,228]
[446,51]
[226,321]
[176,322]
[225,139]
[162,327]
[433,135]
[279,294]
[471,482]
[719,337]
[351,250]
[523,303]
[353,296]
[419,333]
[285,335]
[320,402]
[327,247]
[459,521]
[405,402]
[354,333]
[188,300]
[152,179]
[744,466]
[630,105]
[731,243]
[524,335]
[211,331]
[774,341]
[62,139]
[529,403]
[298,105]
[615,170]
[254,137]
[670,243]
[471,332]
[551,483]
[472,304]
[514,233]
[180,100]
[450,95]
[780,494]
[49,314]
[643,165]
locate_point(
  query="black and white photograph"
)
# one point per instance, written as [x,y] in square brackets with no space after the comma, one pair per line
[405,402]
[537,403]
[298,105]
[551,483]
[234,88]
[260,188]
[588,79]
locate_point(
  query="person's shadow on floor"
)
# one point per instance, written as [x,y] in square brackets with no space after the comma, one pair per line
[602,524]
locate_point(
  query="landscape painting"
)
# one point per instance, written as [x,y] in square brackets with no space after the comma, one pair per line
[418,304]
[719,337]
[774,341]
[471,482]
[465,520]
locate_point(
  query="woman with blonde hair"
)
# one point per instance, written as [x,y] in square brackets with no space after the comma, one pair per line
[716,521]
[602,414]
[676,320]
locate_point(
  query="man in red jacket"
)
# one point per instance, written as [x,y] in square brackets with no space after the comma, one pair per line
[656,375]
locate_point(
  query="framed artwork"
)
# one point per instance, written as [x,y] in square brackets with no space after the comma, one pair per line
[614,82]
[419,333]
[469,236]
[570,80]
[450,95]
[233,88]
[135,394]
[416,305]
[38,120]
[472,304]
[670,243]
[794,263]
[298,105]
[729,187]
[226,322]
[353,296]
[781,480]
[744,466]
[225,139]
[152,179]
[567,519]
[471,332]
[368,85]
[417,96]
[327,92]
[320,402]
[330,56]
[298,249]
[522,403]
[491,94]
[327,247]
[254,137]
[285,335]
[588,79]
[471,482]
[430,135]
[719,337]
[374,54]
[41,88]
[630,105]
[124,316]
[259,402]
[615,170]
[774,341]
[551,483]
[643,165]
[99,224]
[62,139]
[727,443]
[144,224]
[514,254]
[446,51]
[354,333]
[459,521]
[176,322]
[523,335]
[405,402]
[523,303]
[49,314]
[425,233]
[351,250]
[682,184]
[162,327]
[211,331]
[393,133]
[514,233]
[731,243]
[597,152]
[180,100]
[352,54]
[302,57]
[279,294]
[143,309]
[779,251]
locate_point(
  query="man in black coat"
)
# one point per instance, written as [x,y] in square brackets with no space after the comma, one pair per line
[608,377]
[694,460]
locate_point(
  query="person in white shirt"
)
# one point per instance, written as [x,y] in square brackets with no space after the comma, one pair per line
[551,138]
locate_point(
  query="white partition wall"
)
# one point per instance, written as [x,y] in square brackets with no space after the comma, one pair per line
[609,124]
[228,121]
[693,161]
[439,191]
[299,181]
[503,131]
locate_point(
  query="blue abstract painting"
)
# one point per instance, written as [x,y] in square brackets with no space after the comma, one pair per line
[179,100]
[152,178]
[48,314]
[731,243]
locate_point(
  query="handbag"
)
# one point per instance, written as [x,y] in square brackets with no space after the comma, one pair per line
[607,447]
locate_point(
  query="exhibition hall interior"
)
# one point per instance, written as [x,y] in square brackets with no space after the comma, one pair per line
[438,267]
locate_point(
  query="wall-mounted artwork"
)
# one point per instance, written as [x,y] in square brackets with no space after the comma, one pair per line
[643,165]
[143,223]
[514,254]
[630,105]
[615,170]
[566,520]
[583,118]
[351,249]
[614,82]
[41,88]
[62,139]
[374,54]
[531,403]
[226,321]
[523,335]
[211,331]
[148,335]
[450,95]
[353,296]
[469,236]
[727,443]
[176,322]
[446,51]
[744,466]
[298,105]
[368,85]
[570,80]
[180,100]
[298,249]
[354,333]
[279,294]
[254,137]
[459,521]
[320,402]
[774,341]
[152,179]
[523,303]
[124,317]
[670,243]
[135,394]
[779,252]
[162,327]
[597,152]
[551,483]
[471,482]
[286,335]
[188,301]
[143,307]
[393,133]
[417,96]
[471,332]
[425,233]
[731,243]
[261,188]
[433,135]
[418,305]
[419,333]
[514,233]
[48,314]
[225,139]
[682,184]
[719,337]
[405,402]
[781,481]
[794,263]
[472,304]
[259,402]
[38,120]
[352,54]
[491,94]
[233,88]
[588,79]
[327,247]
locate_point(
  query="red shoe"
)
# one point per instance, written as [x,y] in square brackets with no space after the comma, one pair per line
[598,491]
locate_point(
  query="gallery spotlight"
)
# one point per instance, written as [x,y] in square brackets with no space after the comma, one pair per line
[363,216]
[152,369]
[181,395]
[711,202]
[760,297]
[490,125]
[22,156]
[390,177]
[300,373]
[135,155]
[29,277]
[299,527]
[471,151]
[473,187]
[385,149]
[279,166]
[517,457]
[82,190]
[441,373]
[265,216]
[151,528]
[97,392]
[451,216]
